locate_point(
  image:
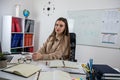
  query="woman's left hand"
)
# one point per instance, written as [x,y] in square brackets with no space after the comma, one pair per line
[36,56]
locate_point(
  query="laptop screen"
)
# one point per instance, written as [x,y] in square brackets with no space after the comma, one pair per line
[6,53]
[0,48]
[9,58]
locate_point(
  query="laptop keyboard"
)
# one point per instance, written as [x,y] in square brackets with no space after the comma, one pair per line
[3,78]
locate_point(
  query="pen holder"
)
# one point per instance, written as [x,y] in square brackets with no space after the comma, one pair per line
[90,76]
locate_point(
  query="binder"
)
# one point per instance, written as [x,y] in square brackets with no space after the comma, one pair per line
[102,70]
[27,25]
[13,25]
[17,25]
[32,26]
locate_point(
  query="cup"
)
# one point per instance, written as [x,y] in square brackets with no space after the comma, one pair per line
[3,63]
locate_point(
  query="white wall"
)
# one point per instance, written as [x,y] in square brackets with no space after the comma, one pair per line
[7,7]
[83,53]
[44,24]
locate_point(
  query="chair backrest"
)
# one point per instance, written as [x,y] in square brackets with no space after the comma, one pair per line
[73,47]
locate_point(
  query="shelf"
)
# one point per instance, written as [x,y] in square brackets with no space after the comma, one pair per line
[17,35]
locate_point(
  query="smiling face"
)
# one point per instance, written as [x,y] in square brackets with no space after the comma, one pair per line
[59,27]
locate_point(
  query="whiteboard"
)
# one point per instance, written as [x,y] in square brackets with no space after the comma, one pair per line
[96,27]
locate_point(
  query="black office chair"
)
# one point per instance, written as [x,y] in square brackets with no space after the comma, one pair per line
[73,47]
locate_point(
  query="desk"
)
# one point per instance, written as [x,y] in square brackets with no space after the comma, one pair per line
[41,64]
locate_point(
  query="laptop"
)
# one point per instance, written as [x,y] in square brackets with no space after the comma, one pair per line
[9,57]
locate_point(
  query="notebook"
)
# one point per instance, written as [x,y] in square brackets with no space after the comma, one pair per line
[9,57]
[24,70]
[65,64]
[54,75]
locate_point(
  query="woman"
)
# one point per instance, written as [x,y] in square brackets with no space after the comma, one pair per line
[57,45]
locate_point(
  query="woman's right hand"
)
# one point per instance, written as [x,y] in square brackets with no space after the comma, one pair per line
[36,56]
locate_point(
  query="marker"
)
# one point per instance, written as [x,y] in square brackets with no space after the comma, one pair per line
[86,67]
[81,79]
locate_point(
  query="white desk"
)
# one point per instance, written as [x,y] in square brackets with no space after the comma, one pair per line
[41,64]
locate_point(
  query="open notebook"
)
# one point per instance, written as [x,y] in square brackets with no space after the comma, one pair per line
[54,75]
[24,70]
[62,63]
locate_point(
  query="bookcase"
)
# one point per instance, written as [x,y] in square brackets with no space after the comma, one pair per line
[17,34]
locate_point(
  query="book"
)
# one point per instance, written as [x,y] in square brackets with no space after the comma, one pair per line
[102,70]
[110,78]
[17,25]
[13,25]
[27,25]
[24,70]
[26,40]
[32,26]
[30,49]
[62,63]
[16,40]
[54,75]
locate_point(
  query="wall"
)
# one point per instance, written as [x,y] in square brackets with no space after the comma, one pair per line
[45,24]
[7,7]
[83,53]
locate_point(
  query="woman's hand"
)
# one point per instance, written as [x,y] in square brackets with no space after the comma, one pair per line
[37,56]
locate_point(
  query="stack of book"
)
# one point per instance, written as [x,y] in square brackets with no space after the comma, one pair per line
[106,72]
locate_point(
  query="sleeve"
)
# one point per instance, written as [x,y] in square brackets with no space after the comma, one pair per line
[61,51]
[42,49]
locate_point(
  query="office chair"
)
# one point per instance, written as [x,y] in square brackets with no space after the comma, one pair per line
[73,47]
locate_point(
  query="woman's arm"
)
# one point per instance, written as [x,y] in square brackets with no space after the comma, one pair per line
[62,51]
[38,54]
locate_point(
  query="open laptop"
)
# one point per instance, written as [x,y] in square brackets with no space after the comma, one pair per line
[9,57]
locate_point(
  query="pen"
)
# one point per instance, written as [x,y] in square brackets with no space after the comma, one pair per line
[88,65]
[46,63]
[38,75]
[63,63]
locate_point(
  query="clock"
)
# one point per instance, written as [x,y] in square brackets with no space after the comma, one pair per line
[49,8]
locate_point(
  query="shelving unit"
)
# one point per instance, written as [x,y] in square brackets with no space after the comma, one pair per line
[17,35]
